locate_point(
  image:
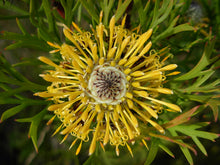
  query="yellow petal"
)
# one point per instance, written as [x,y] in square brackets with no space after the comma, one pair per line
[101,61]
[65,137]
[121,49]
[111,53]
[100,116]
[106,137]
[51,120]
[136,84]
[144,142]
[130,103]
[67,33]
[76,27]
[67,49]
[173,73]
[129,95]
[149,75]
[53,45]
[160,90]
[94,53]
[72,144]
[168,67]
[154,124]
[57,130]
[145,49]
[117,150]
[129,149]
[139,43]
[147,108]
[118,108]
[170,105]
[111,29]
[122,62]
[137,73]
[102,146]
[79,148]
[98,108]
[100,29]
[143,94]
[94,139]
[123,20]
[132,60]
[113,63]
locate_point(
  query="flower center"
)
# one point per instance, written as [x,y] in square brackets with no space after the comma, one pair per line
[107,84]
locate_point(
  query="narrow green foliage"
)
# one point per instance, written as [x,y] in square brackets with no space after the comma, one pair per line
[10,6]
[35,121]
[185,150]
[106,7]
[160,14]
[167,150]
[27,41]
[214,105]
[89,6]
[181,118]
[48,12]
[21,27]
[121,9]
[152,151]
[12,111]
[204,61]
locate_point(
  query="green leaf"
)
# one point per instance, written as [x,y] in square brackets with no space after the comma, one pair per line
[199,98]
[171,30]
[12,92]
[174,140]
[162,14]
[141,12]
[167,150]
[5,17]
[204,61]
[106,6]
[191,131]
[35,121]
[199,144]
[12,111]
[25,41]
[185,150]
[47,9]
[33,12]
[121,9]
[21,27]
[34,126]
[181,118]
[152,151]
[182,27]
[89,161]
[214,105]
[89,6]
[70,7]
[10,101]
[200,80]
[7,88]
[187,154]
[10,6]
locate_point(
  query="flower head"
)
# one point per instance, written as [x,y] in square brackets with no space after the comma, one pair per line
[106,85]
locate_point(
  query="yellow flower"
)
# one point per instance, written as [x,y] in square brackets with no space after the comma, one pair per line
[106,85]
